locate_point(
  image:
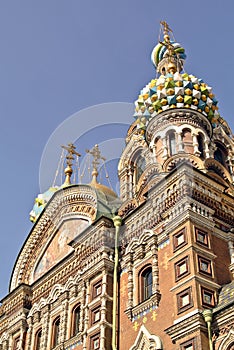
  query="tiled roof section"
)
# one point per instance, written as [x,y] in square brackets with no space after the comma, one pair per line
[226,296]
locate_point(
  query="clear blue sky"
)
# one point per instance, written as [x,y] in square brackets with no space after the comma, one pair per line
[58,57]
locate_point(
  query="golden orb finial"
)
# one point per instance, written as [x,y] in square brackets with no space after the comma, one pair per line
[70,148]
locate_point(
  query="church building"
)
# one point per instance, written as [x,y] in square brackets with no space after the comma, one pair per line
[153,267]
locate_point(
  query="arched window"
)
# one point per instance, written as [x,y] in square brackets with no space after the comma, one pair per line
[38,342]
[221,155]
[75,320]
[146,283]
[55,332]
[200,141]
[172,143]
[140,167]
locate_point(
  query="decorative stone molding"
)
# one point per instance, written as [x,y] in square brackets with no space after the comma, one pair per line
[228,341]
[189,324]
[181,117]
[147,341]
[219,168]
[175,160]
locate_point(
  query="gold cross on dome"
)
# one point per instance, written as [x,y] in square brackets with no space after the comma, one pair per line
[167,42]
[95,152]
[166,28]
[70,148]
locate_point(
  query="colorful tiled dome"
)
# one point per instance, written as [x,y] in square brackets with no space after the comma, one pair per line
[175,90]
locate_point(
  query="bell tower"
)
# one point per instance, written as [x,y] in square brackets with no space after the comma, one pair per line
[176,183]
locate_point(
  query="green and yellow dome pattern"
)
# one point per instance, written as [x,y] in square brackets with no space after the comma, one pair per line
[175,90]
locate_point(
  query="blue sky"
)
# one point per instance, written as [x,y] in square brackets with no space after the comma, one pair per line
[59,57]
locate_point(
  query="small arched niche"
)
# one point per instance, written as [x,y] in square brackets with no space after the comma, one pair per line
[187,141]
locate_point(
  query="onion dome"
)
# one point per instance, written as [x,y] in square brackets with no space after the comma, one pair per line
[174,89]
[161,55]
[106,191]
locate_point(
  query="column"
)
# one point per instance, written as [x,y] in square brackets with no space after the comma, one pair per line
[207,149]
[86,315]
[45,328]
[195,145]
[30,330]
[63,323]
[180,142]
[165,149]
[130,282]
[130,181]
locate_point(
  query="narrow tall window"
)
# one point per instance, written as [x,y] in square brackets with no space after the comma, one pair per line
[146,283]
[75,320]
[221,155]
[140,167]
[16,343]
[172,143]
[55,332]
[38,340]
[200,141]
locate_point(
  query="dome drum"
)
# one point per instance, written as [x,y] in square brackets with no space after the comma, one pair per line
[178,117]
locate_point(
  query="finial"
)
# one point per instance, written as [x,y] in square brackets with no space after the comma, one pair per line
[70,148]
[166,28]
[168,55]
[170,48]
[95,152]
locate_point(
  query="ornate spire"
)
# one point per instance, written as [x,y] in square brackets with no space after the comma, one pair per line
[166,28]
[95,152]
[70,148]
[168,55]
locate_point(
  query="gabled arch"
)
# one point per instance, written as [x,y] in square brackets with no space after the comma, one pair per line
[66,204]
[135,242]
[134,145]
[147,341]
[228,341]
[213,165]
[56,291]
[174,161]
[152,172]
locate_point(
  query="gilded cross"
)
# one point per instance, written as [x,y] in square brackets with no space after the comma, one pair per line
[166,28]
[70,148]
[167,42]
[95,152]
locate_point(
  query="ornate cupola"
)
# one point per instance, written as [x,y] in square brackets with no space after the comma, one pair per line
[177,120]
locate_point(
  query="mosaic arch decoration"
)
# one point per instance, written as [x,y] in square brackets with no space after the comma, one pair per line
[58,247]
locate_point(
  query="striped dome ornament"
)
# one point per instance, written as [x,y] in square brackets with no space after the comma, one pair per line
[174,89]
